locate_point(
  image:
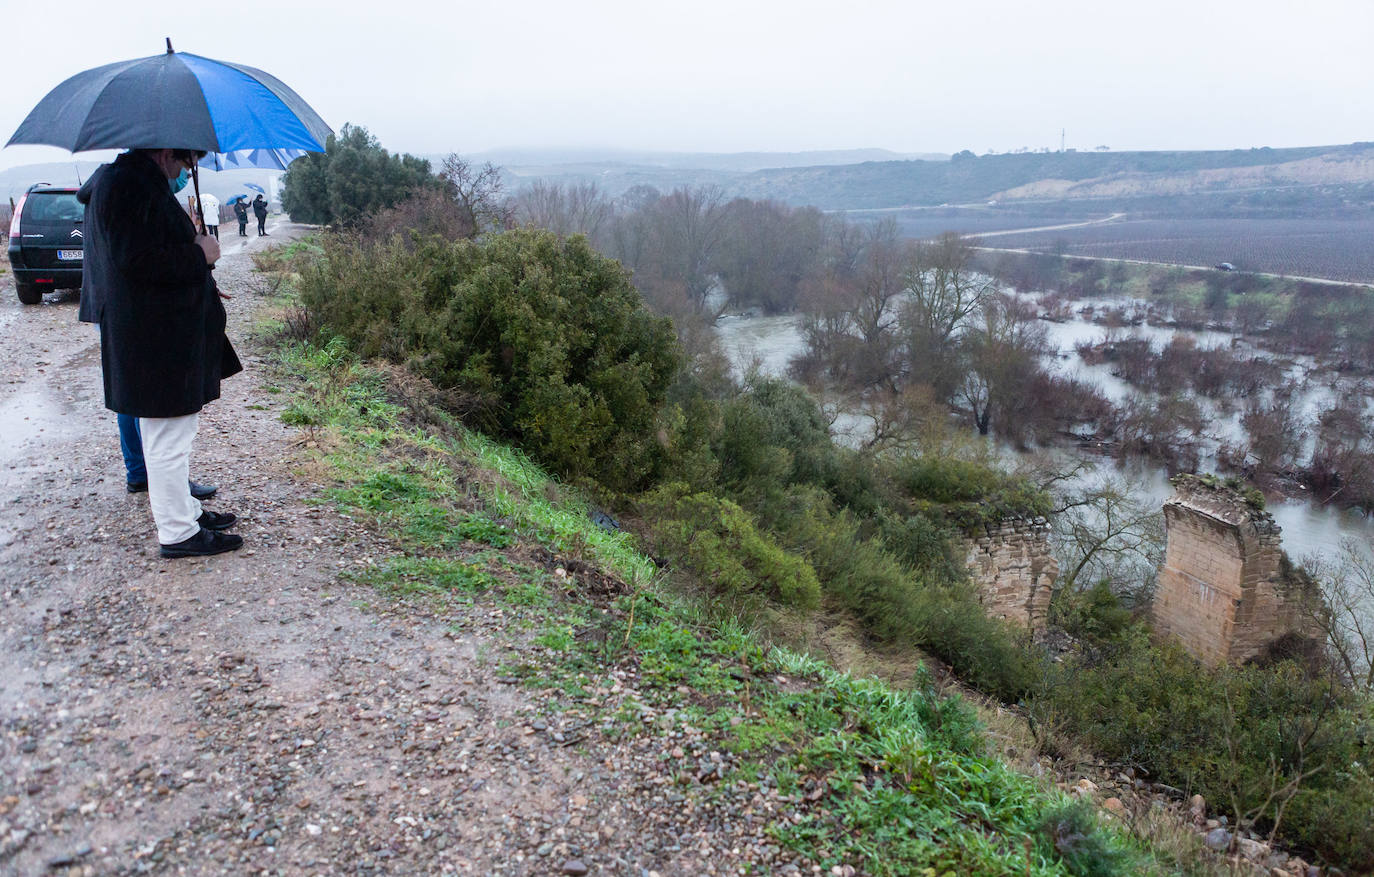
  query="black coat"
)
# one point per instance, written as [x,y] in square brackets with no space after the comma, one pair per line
[162,345]
[259,208]
[241,211]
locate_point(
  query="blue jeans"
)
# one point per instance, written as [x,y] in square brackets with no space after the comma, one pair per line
[131,445]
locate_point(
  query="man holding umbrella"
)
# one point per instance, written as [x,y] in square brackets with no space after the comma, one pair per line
[163,348]
[241,214]
[162,342]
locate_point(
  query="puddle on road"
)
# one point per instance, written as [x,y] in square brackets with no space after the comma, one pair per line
[31,416]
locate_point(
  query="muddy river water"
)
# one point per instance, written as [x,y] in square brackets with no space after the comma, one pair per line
[1309,528]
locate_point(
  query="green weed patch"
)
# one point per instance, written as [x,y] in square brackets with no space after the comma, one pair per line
[894,782]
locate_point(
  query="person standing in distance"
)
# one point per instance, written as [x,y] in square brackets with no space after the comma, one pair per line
[260,211]
[209,206]
[241,214]
[163,350]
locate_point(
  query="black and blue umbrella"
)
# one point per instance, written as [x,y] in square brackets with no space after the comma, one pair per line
[179,101]
[276,159]
[174,100]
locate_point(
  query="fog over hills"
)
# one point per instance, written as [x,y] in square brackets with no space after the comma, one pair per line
[869,179]
[877,179]
[222,184]
[518,160]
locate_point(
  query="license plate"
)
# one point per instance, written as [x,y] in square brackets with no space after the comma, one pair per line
[69,255]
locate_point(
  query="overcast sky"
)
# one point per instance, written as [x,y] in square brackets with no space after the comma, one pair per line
[739,75]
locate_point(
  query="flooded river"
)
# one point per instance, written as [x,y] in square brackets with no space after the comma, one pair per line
[1309,529]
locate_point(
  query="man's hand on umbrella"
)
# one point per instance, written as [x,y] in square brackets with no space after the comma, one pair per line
[209,246]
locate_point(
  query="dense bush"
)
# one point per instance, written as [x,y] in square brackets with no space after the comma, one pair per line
[720,543]
[353,178]
[965,492]
[547,337]
[905,604]
[880,535]
[1247,738]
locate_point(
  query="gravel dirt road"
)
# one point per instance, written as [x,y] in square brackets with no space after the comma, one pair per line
[250,712]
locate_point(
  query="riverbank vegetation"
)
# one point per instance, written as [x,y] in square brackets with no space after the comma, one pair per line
[753,510]
[1298,376]
[856,772]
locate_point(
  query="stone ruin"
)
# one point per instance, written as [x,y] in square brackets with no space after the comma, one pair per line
[1011,565]
[1226,589]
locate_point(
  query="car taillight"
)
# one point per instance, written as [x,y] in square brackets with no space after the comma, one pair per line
[18,212]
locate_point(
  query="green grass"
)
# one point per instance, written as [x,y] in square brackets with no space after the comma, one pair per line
[427,575]
[891,781]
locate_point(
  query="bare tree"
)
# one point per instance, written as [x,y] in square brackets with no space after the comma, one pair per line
[578,208]
[688,225]
[766,252]
[910,420]
[477,190]
[943,297]
[1002,349]
[881,278]
[1347,618]
[1102,532]
[945,291]
[1275,429]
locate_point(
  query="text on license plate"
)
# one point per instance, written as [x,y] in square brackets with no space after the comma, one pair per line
[69,255]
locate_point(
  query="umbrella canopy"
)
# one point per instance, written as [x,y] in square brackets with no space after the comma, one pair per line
[276,159]
[178,101]
[174,100]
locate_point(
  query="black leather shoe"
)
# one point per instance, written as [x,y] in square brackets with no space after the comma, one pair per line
[198,490]
[217,520]
[204,544]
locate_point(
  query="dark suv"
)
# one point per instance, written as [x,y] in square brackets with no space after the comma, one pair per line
[45,241]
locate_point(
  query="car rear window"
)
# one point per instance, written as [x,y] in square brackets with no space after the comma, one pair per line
[53,207]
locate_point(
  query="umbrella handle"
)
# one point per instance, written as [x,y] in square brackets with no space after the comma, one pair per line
[200,208]
[195,182]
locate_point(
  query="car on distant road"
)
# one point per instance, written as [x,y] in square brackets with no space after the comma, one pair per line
[1224,266]
[46,246]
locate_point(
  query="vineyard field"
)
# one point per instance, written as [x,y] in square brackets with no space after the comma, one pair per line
[1333,249]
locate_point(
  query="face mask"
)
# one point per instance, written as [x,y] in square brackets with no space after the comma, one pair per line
[179,182]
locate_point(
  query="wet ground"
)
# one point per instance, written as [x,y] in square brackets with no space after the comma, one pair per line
[254,712]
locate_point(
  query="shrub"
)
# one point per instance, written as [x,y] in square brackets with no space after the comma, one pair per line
[719,542]
[921,543]
[900,604]
[549,335]
[1071,833]
[1093,614]
[1247,738]
[351,179]
[966,493]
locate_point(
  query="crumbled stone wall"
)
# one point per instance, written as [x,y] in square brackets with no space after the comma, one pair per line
[1223,589]
[1012,566]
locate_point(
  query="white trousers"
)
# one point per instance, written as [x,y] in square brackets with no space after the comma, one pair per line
[167,454]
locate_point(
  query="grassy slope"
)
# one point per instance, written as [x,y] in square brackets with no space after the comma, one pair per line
[891,781]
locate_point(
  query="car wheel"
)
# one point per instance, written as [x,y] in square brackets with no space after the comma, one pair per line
[29,294]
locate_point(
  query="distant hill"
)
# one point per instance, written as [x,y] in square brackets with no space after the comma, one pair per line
[520,160]
[616,171]
[13,181]
[222,184]
[966,178]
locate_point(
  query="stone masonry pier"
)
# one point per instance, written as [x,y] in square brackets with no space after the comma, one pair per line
[1011,564]
[1225,590]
